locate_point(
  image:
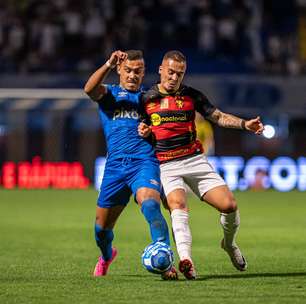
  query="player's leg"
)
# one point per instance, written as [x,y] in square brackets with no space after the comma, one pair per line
[223,200]
[149,201]
[146,187]
[177,204]
[144,181]
[210,187]
[105,221]
[113,197]
[174,187]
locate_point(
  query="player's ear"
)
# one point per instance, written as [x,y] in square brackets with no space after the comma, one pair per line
[160,69]
[118,69]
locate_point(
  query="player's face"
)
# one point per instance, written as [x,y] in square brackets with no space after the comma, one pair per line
[131,74]
[171,74]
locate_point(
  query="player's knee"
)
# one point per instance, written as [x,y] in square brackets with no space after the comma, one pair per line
[229,204]
[176,203]
[100,222]
[145,194]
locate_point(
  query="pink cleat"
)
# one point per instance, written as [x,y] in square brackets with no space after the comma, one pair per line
[102,266]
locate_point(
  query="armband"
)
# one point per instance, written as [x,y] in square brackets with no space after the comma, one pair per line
[243,124]
[109,65]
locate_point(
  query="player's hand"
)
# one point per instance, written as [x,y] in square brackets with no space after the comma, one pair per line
[144,130]
[254,125]
[117,57]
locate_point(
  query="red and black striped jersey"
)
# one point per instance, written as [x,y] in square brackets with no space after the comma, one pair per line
[172,119]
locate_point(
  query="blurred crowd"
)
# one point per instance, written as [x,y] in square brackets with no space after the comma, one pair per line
[76,35]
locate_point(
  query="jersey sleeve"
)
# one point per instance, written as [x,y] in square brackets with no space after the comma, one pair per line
[109,92]
[202,104]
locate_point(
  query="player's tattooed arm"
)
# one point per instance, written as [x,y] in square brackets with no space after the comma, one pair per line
[231,121]
[93,87]
[226,120]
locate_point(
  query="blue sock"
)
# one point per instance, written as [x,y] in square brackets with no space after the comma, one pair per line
[104,238]
[158,225]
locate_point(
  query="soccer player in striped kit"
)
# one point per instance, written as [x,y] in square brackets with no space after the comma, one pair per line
[171,107]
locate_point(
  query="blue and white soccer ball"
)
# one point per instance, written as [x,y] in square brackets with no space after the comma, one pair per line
[157,257]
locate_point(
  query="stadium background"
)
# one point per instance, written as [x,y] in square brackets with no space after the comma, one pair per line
[249,57]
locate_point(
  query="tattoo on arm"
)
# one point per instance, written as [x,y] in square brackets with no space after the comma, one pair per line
[226,120]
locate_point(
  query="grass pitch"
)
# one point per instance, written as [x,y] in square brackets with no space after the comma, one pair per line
[47,252]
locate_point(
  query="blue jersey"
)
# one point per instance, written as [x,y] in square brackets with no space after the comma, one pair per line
[119,111]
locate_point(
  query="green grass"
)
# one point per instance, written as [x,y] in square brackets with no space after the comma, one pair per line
[47,252]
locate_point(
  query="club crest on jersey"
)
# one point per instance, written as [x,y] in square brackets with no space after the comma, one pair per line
[122,113]
[164,103]
[179,103]
[151,105]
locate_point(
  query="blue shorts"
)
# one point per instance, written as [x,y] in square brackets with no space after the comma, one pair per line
[125,176]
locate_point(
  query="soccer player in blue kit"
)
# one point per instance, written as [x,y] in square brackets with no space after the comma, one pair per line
[131,165]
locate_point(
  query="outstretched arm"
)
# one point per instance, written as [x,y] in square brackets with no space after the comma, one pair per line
[93,87]
[230,121]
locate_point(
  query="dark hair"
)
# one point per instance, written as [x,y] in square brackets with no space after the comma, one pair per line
[175,55]
[134,54]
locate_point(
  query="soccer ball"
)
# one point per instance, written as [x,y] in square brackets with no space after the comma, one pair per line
[157,257]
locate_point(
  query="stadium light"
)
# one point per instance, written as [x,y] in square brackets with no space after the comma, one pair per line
[269,131]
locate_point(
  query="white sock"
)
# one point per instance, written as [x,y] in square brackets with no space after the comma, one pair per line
[230,223]
[182,234]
